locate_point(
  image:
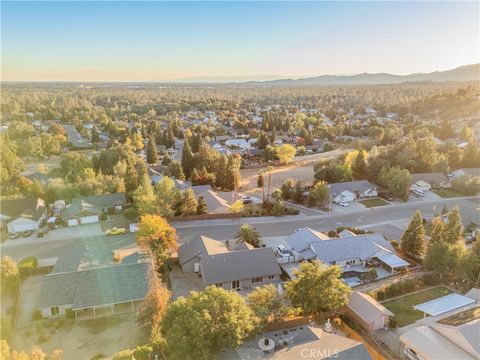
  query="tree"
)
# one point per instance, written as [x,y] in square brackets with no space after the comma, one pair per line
[144,198]
[370,275]
[232,178]
[359,166]
[438,230]
[131,179]
[95,137]
[454,227]
[413,239]
[286,152]
[187,160]
[443,258]
[396,180]
[332,172]
[175,171]
[189,202]
[260,181]
[152,155]
[287,188]
[279,207]
[201,206]
[247,233]
[469,265]
[467,134]
[167,160]
[262,140]
[319,194]
[317,288]
[220,319]
[266,304]
[236,207]
[165,192]
[155,304]
[9,274]
[155,234]
[221,172]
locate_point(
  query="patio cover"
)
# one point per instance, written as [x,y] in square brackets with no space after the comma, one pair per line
[444,304]
[392,260]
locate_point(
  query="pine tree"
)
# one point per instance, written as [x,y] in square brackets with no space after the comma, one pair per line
[95,137]
[260,181]
[177,207]
[359,167]
[221,172]
[232,177]
[175,171]
[187,159]
[444,209]
[167,160]
[189,202]
[413,242]
[195,176]
[454,228]
[131,179]
[201,206]
[152,156]
[170,141]
[438,230]
[262,141]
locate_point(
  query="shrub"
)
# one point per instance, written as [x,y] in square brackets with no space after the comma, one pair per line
[430,279]
[37,315]
[98,356]
[392,290]
[394,244]
[44,338]
[103,217]
[130,213]
[380,295]
[30,262]
[392,323]
[123,355]
[142,352]
[332,234]
[278,208]
[70,314]
[328,147]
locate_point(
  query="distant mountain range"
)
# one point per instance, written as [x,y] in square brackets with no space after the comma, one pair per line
[462,73]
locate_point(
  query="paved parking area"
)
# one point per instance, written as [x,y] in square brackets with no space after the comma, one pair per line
[352,207]
[429,196]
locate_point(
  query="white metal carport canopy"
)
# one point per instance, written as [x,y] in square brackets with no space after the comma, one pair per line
[392,260]
[444,304]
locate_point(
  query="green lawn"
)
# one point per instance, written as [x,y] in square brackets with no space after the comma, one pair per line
[373,202]
[403,306]
[447,193]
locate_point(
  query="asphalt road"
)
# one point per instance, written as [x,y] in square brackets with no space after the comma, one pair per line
[267,226]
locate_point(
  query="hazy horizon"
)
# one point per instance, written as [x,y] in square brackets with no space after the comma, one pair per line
[165,42]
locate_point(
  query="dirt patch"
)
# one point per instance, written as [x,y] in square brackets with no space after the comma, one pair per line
[83,339]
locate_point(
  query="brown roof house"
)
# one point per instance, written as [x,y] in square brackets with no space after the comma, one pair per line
[368,312]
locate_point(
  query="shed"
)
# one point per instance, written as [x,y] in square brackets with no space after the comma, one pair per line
[368,312]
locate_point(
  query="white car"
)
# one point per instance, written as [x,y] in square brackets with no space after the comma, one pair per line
[282,250]
[419,192]
[342,203]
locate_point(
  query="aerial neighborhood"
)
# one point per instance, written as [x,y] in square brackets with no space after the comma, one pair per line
[159,203]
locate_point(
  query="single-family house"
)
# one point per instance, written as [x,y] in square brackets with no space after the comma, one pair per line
[238,143]
[368,312]
[20,215]
[229,265]
[352,253]
[218,202]
[349,191]
[427,181]
[86,210]
[94,292]
[473,172]
[451,332]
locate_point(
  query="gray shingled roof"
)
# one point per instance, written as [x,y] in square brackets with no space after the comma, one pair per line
[300,240]
[94,204]
[352,186]
[30,208]
[431,178]
[96,287]
[239,265]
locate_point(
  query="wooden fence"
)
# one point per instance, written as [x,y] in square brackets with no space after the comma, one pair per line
[205,217]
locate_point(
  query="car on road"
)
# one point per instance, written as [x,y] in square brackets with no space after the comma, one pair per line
[282,250]
[386,196]
[115,231]
[27,233]
[15,235]
[418,192]
[42,233]
[246,199]
[342,203]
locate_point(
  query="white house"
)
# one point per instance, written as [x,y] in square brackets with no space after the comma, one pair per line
[20,215]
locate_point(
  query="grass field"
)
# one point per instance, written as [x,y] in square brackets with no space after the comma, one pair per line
[373,202]
[447,193]
[403,306]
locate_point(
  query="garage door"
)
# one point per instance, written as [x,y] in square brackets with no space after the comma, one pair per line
[72,222]
[89,219]
[19,227]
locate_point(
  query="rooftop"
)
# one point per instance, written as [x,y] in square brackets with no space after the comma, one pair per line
[444,304]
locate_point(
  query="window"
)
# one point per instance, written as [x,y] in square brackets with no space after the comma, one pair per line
[218,285]
[271,277]
[236,284]
[54,310]
[257,280]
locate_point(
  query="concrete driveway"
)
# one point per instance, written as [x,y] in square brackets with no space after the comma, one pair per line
[352,207]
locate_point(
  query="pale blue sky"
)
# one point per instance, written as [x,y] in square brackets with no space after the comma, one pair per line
[141,41]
